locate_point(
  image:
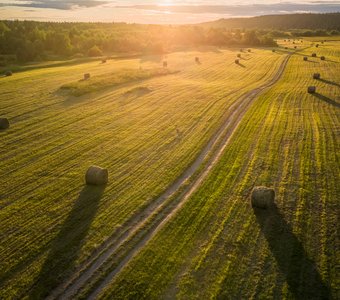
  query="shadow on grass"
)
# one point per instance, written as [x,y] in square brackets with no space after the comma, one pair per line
[312,61]
[75,100]
[241,65]
[329,82]
[302,276]
[333,61]
[137,92]
[327,100]
[67,244]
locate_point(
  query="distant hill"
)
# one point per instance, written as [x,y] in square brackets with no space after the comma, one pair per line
[327,21]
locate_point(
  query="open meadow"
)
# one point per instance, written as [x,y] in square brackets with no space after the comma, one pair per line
[184,145]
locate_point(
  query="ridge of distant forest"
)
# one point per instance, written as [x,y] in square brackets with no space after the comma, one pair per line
[326,21]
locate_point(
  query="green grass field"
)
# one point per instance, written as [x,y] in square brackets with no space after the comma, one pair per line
[147,131]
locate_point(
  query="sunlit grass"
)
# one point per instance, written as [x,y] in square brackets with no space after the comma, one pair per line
[54,138]
[215,247]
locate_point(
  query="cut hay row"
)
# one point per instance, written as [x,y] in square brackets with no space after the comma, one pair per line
[216,245]
[108,130]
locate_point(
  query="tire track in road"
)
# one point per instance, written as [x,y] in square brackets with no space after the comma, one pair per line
[145,222]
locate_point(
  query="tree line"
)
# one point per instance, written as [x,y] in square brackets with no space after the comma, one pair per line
[25,41]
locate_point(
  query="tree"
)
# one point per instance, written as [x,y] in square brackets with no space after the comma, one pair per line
[62,44]
[3,28]
[250,38]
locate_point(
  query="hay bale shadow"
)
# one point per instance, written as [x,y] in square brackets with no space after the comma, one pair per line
[329,82]
[65,247]
[241,65]
[302,276]
[327,100]
[333,61]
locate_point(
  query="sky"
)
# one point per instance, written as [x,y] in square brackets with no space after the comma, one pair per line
[154,11]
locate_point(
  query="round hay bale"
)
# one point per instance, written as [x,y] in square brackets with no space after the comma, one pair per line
[249,50]
[4,123]
[87,76]
[165,64]
[96,176]
[314,55]
[295,47]
[316,76]
[317,45]
[237,61]
[322,58]
[262,197]
[273,50]
[305,58]
[197,59]
[103,61]
[311,89]
[286,47]
[239,55]
[8,73]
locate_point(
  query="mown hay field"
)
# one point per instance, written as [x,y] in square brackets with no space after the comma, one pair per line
[145,132]
[217,246]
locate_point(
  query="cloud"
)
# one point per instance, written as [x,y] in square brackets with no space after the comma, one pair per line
[232,10]
[245,10]
[55,4]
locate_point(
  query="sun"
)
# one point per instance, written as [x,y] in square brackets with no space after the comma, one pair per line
[165,3]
